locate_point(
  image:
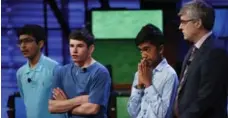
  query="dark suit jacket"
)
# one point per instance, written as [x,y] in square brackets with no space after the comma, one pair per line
[203,94]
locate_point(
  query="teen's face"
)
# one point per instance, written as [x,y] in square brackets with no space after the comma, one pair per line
[149,52]
[79,51]
[28,46]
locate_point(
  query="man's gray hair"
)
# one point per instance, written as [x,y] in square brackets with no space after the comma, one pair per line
[198,9]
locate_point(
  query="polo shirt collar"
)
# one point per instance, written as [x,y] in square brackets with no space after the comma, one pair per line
[38,66]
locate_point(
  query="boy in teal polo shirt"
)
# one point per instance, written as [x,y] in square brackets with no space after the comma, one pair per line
[35,77]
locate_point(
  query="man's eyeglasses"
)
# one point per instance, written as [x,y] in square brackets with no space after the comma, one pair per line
[185,21]
[25,41]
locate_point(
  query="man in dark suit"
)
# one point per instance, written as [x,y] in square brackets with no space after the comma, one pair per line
[202,89]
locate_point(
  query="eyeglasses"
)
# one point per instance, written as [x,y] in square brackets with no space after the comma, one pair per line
[25,41]
[186,21]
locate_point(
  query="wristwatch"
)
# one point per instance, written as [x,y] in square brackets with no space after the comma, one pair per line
[139,86]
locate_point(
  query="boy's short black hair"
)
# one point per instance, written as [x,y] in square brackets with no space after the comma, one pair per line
[35,31]
[82,34]
[150,33]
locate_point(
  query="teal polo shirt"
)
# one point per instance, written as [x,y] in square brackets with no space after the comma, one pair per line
[35,87]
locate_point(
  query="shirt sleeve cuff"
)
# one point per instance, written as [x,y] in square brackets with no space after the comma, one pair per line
[137,92]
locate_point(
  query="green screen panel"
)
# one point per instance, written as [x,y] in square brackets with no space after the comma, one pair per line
[123,56]
[125,24]
[121,107]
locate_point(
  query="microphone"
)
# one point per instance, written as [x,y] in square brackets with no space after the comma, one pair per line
[29,80]
[84,70]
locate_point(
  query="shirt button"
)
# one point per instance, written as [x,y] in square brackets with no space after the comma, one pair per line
[144,111]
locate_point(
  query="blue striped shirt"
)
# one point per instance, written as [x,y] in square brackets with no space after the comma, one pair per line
[157,100]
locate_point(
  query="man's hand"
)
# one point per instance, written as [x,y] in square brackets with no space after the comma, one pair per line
[58,94]
[144,73]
